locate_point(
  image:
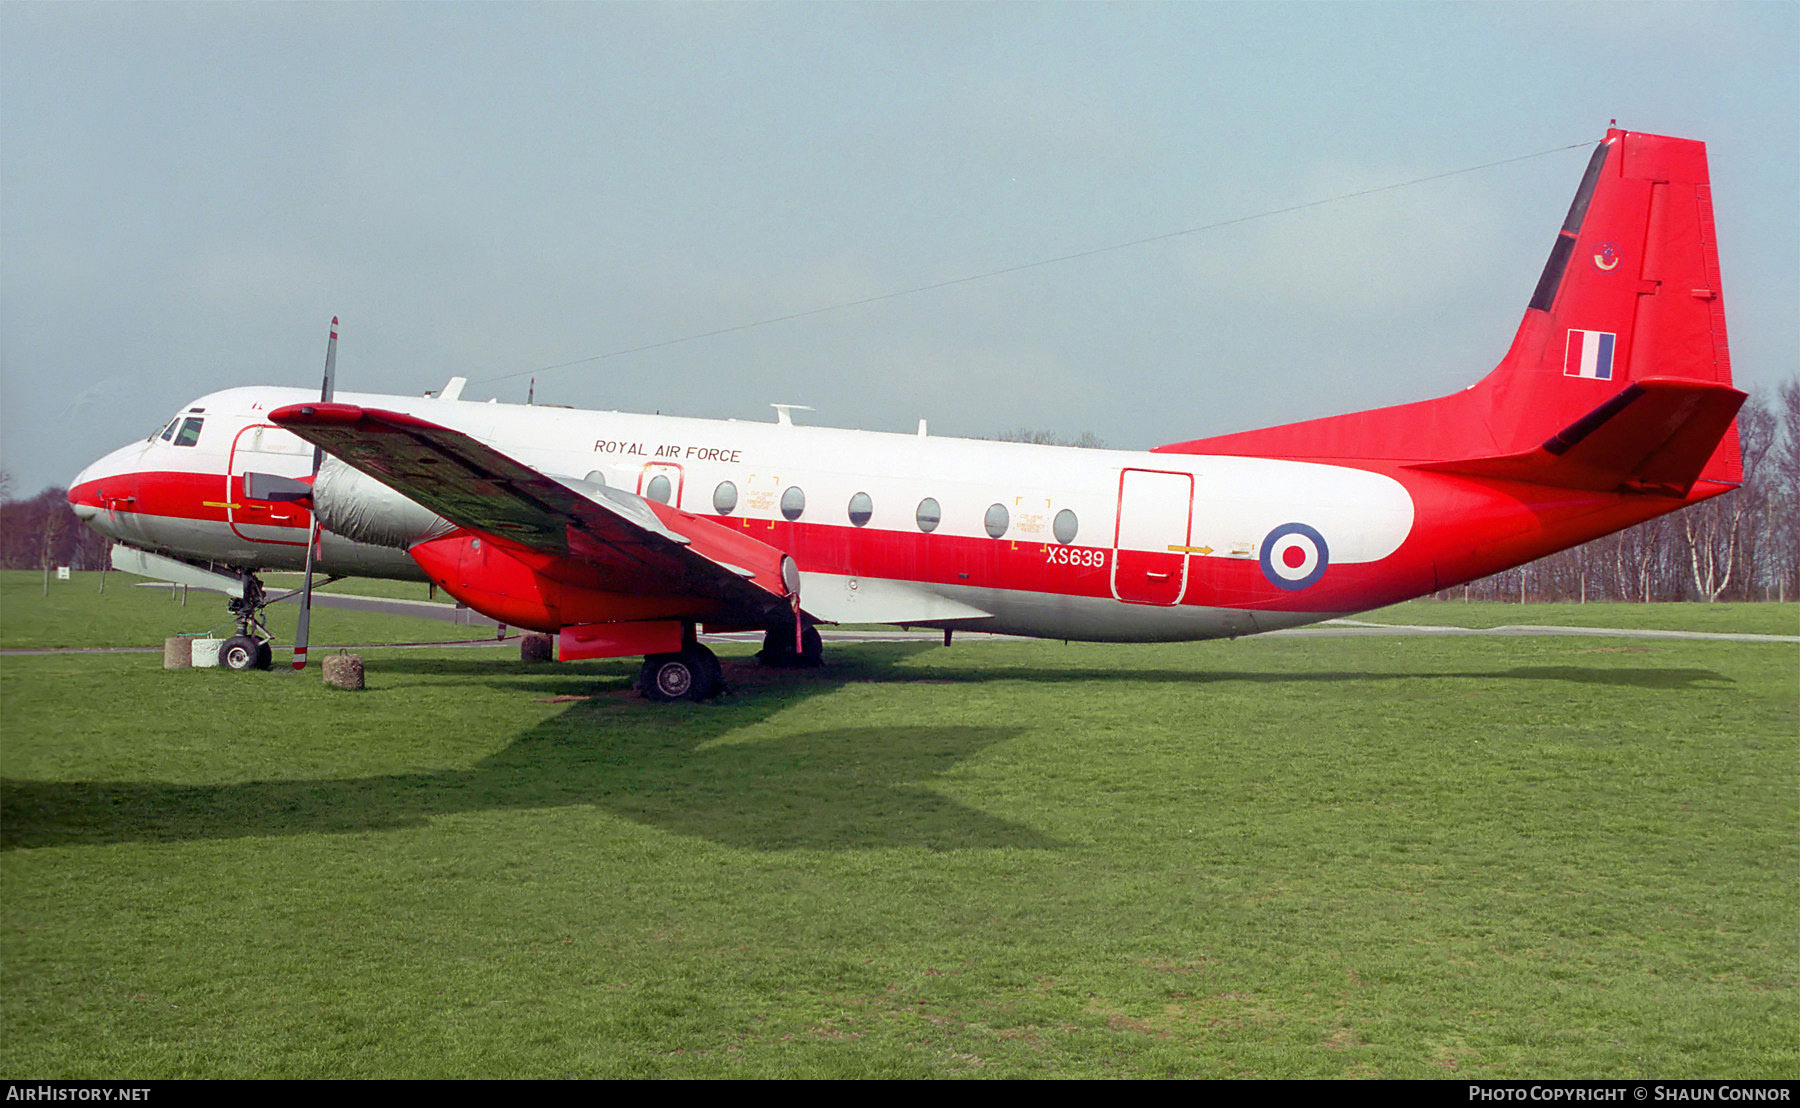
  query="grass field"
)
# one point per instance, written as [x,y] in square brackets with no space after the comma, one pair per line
[1398,857]
[77,614]
[1753,619]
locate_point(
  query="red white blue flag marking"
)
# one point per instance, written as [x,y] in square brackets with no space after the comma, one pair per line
[1294,556]
[1590,355]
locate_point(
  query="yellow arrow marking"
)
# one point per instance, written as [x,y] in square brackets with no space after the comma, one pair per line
[219,504]
[1192,549]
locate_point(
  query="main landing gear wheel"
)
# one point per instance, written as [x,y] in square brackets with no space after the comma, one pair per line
[691,674]
[241,652]
[778,648]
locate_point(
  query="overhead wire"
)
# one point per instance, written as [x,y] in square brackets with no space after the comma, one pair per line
[1023,266]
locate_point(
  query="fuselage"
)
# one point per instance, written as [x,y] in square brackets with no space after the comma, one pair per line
[908,529]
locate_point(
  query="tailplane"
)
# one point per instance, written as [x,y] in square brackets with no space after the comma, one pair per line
[1618,377]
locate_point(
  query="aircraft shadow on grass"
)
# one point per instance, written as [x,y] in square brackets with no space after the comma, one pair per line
[850,788]
[840,789]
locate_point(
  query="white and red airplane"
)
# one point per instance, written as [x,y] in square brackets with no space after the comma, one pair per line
[625,534]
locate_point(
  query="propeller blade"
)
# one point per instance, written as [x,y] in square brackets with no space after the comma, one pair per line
[325,389]
[304,627]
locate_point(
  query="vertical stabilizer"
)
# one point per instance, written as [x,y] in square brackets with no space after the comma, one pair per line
[1630,293]
[1630,296]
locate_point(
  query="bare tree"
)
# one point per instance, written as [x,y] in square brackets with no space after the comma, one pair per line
[1087,439]
[43,531]
[1715,532]
[1781,497]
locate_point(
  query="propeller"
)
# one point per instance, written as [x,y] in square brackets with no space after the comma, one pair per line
[312,537]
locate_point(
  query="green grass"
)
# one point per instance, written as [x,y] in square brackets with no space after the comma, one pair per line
[1739,618]
[77,614]
[1269,858]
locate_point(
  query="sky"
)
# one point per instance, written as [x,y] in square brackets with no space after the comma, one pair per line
[643,207]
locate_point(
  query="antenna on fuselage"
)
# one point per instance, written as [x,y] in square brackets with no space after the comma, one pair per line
[784,413]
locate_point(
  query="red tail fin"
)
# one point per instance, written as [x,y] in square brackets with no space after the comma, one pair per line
[1630,298]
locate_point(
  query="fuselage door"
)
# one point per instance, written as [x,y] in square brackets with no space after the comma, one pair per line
[1150,541]
[266,448]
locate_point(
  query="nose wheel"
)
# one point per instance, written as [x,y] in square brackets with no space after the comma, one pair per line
[251,647]
[241,652]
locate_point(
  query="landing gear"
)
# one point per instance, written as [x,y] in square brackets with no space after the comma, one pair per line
[250,648]
[778,648]
[241,652]
[691,673]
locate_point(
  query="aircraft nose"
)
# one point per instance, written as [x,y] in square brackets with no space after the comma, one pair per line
[111,476]
[81,494]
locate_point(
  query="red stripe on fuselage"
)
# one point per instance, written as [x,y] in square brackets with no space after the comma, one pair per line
[191,496]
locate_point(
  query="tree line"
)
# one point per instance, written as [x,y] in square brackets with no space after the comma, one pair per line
[42,531]
[1744,545]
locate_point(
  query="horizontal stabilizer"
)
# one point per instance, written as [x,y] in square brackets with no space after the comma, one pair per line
[1655,436]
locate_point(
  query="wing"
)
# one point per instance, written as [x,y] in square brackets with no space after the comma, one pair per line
[642,545]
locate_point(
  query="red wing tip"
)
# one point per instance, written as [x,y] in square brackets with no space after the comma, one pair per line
[315,413]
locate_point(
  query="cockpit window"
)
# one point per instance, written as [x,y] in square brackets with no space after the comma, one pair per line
[169,431]
[189,433]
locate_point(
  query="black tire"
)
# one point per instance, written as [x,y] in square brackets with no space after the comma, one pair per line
[240,653]
[778,648]
[712,674]
[265,656]
[693,674]
[667,677]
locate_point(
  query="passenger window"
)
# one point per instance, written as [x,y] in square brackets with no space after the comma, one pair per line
[996,520]
[658,489]
[930,515]
[1064,526]
[861,509]
[793,503]
[189,433]
[725,498]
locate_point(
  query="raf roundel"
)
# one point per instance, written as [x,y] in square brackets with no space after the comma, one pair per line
[1294,556]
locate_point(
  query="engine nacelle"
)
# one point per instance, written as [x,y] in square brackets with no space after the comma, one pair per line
[542,592]
[350,503]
